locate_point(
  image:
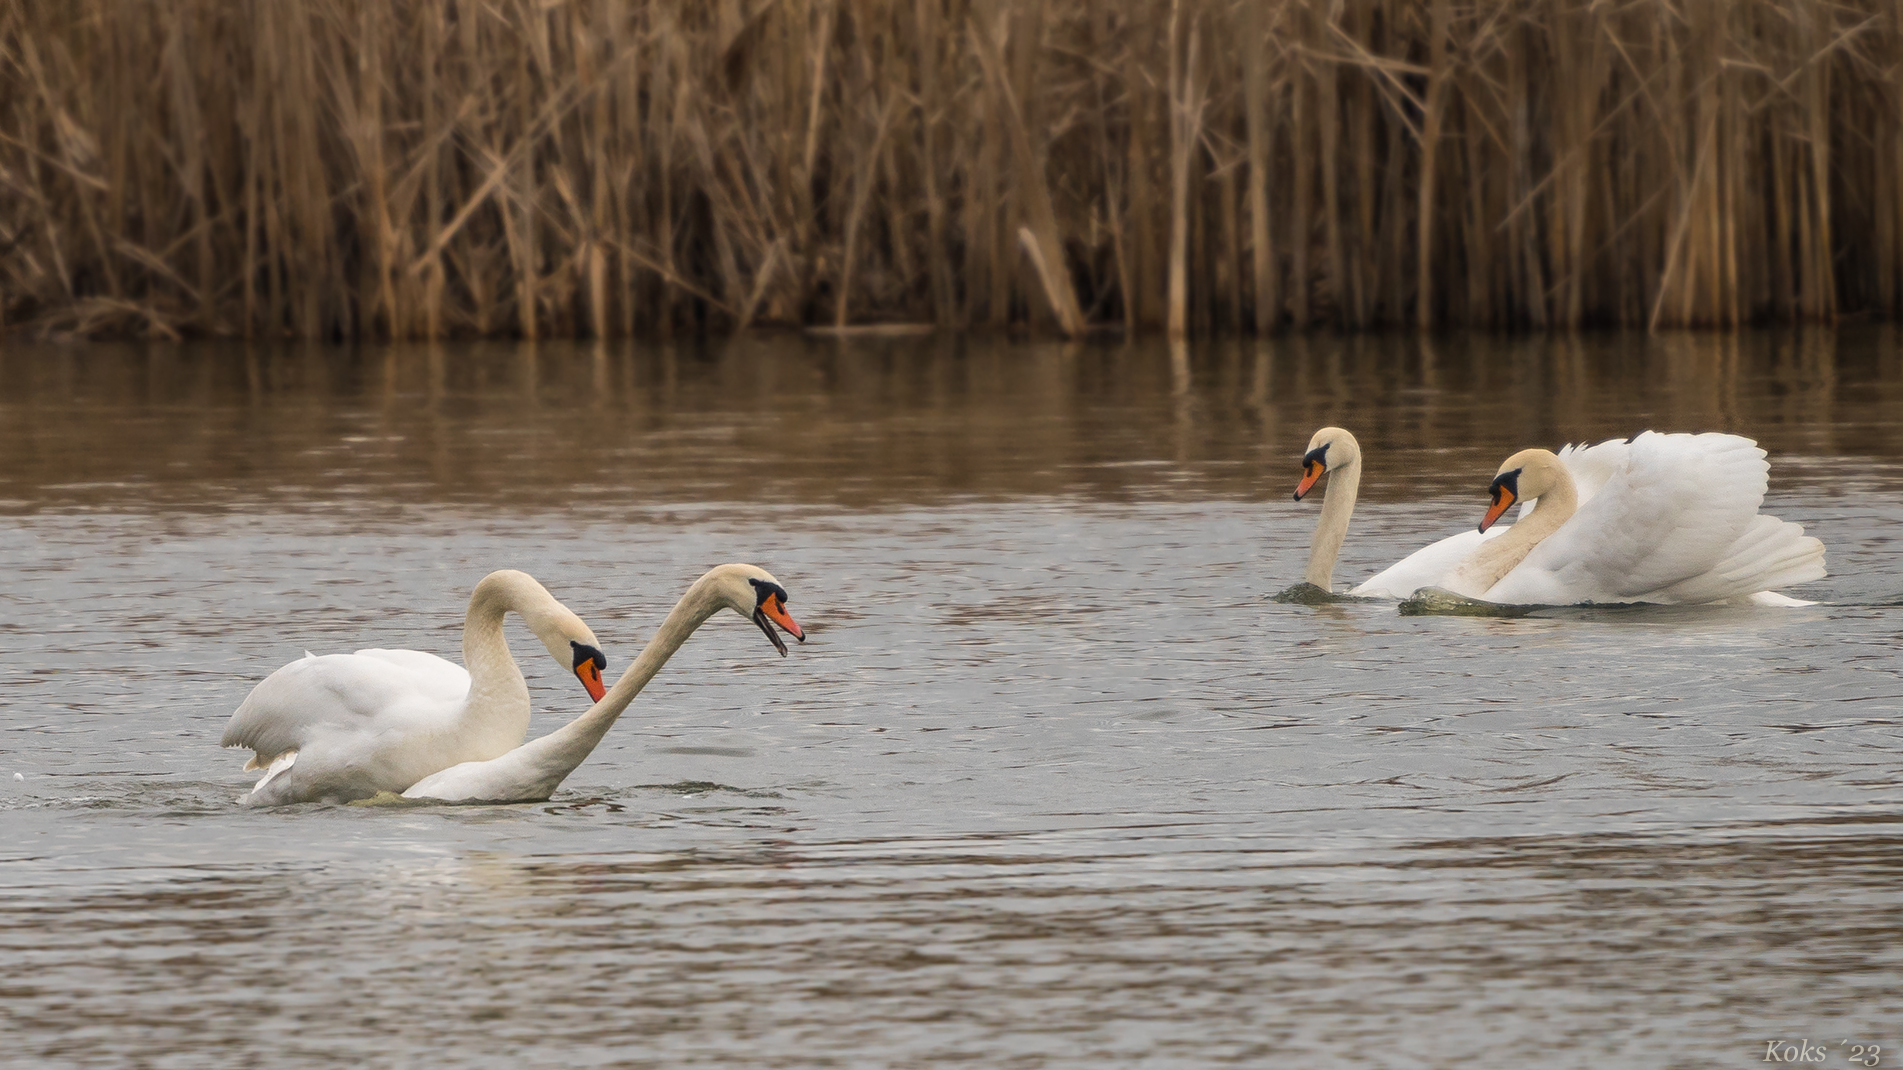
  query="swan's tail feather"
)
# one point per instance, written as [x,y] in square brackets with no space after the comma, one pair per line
[1772,598]
[1771,553]
[261,760]
[252,736]
[278,765]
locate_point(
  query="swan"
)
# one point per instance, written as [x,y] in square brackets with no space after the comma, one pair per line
[1334,452]
[532,771]
[1675,521]
[347,726]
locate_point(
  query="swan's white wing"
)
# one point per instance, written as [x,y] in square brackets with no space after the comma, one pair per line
[1669,511]
[1593,466]
[1425,567]
[316,696]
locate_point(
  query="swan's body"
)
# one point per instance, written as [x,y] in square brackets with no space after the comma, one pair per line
[533,771]
[347,726]
[1674,520]
[1425,567]
[1334,452]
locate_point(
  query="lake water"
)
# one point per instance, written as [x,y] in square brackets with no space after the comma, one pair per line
[1050,785]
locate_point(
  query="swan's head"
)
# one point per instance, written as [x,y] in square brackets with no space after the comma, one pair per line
[753,593]
[589,662]
[569,641]
[1524,476]
[573,644]
[1332,449]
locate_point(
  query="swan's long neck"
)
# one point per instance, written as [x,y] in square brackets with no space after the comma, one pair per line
[498,703]
[496,715]
[1332,528]
[1498,556]
[558,753]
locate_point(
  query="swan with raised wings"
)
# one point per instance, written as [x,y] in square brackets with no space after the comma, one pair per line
[1676,521]
[346,726]
[533,771]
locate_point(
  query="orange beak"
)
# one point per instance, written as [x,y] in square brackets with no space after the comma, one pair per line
[590,676]
[776,612]
[1503,499]
[1311,471]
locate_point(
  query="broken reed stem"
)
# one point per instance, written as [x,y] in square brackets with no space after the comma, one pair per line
[357,169]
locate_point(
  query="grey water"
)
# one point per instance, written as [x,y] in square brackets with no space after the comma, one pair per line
[1052,783]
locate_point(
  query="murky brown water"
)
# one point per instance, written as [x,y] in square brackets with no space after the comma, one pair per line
[1051,784]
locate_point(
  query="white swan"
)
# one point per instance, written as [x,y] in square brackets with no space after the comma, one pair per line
[533,771]
[347,726]
[1675,521]
[1334,452]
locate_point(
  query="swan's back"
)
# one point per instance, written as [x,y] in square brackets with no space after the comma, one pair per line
[1430,566]
[1425,567]
[428,674]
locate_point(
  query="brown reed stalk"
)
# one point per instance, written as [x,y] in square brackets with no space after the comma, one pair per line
[1435,106]
[1186,106]
[1253,27]
[1040,235]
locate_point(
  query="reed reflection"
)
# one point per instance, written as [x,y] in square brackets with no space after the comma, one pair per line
[869,423]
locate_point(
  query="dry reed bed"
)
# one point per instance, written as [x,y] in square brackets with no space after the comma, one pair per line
[402,168]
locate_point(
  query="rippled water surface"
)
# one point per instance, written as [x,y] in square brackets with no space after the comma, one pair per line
[1051,784]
